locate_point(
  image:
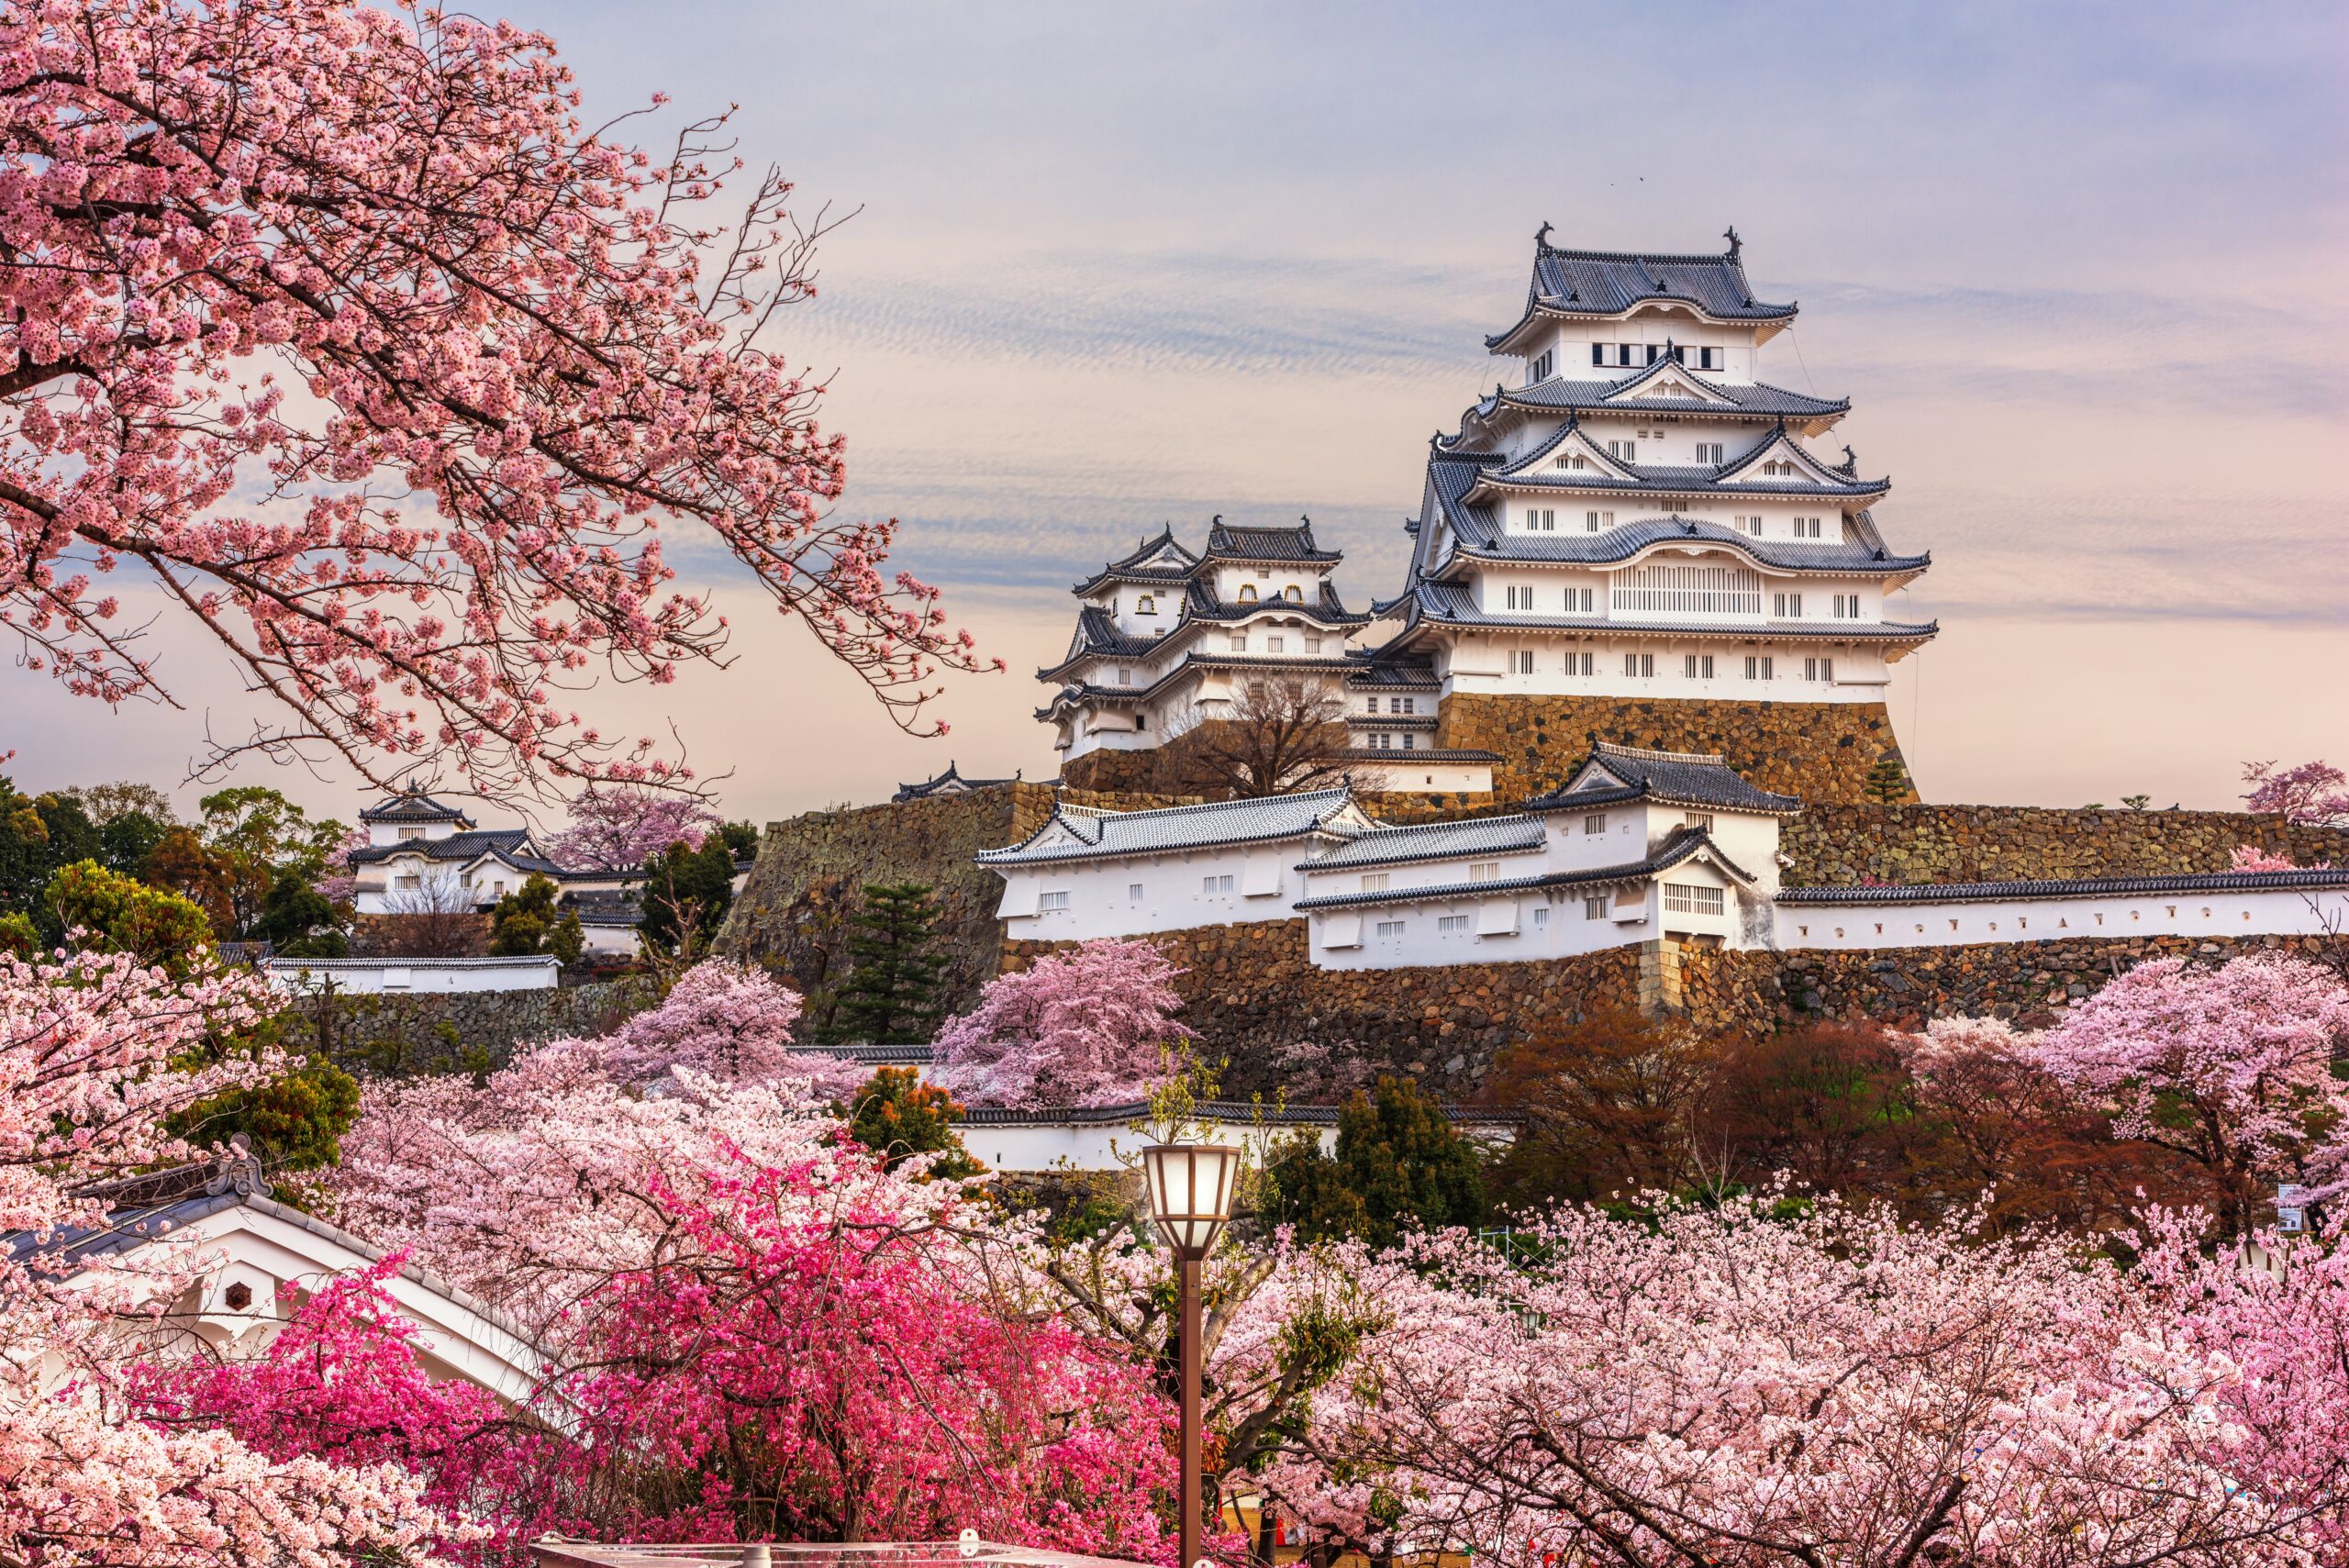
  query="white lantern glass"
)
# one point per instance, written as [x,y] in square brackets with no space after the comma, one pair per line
[1191,1187]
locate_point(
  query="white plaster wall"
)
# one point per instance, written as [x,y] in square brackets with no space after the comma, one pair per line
[415,975]
[1860,926]
[1479,663]
[1103,903]
[1409,771]
[1505,928]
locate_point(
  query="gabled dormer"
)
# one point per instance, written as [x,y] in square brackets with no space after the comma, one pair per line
[1778,459]
[1570,453]
[1668,378]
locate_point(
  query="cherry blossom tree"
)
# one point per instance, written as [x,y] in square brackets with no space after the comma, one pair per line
[1088,1027]
[346,333]
[2250,857]
[2314,793]
[90,1053]
[622,826]
[2231,1067]
[1758,1385]
[723,1020]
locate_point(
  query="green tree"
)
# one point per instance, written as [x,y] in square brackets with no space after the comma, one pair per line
[686,894]
[891,995]
[523,918]
[256,836]
[568,940]
[741,839]
[295,1121]
[19,936]
[119,914]
[132,818]
[301,922]
[180,863]
[1887,782]
[38,834]
[1399,1162]
[897,1116]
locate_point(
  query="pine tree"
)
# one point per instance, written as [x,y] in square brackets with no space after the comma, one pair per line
[1887,783]
[1399,1162]
[891,995]
[522,918]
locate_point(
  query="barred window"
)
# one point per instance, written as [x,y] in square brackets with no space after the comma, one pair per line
[1704,590]
[1683,898]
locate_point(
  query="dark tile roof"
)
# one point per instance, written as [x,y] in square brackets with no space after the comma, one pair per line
[2073,887]
[1384,846]
[948,782]
[1396,756]
[466,846]
[412,807]
[1227,543]
[1176,828]
[1681,844]
[1201,604]
[1611,283]
[1129,568]
[1675,778]
[1864,555]
[1401,675]
[1269,663]
[1741,400]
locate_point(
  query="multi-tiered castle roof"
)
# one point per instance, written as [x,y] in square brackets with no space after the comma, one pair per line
[1641,499]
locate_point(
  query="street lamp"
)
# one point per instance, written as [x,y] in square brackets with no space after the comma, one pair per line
[1190,1196]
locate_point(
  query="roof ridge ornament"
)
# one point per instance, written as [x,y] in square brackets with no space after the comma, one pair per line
[1735,244]
[1541,236]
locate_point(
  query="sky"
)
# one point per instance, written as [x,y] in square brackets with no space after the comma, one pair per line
[2077,266]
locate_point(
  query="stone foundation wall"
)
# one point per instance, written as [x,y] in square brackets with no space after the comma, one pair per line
[459,1030]
[1252,991]
[792,914]
[1837,844]
[2029,982]
[1820,751]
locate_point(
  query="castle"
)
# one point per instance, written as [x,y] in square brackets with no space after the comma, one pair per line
[1638,608]
[1635,543]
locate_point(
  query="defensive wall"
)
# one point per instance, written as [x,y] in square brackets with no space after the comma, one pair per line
[1816,751]
[1253,991]
[400,1036]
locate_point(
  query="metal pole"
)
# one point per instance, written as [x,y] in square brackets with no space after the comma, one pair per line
[1189,1292]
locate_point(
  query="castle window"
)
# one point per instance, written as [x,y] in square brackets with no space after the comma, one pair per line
[1125,675]
[1698,667]
[1451,925]
[1623,353]
[1142,722]
[1706,590]
[1847,606]
[408,833]
[1541,917]
[1709,451]
[1786,607]
[1580,663]
[1147,605]
[1698,819]
[1390,929]
[1374,882]
[1525,660]
[1543,363]
[1313,645]
[1048,902]
[1594,521]
[1806,528]
[1594,906]
[1628,450]
[1594,824]
[1684,898]
[1133,892]
[1751,526]
[1485,870]
[1818,668]
[1239,643]
[1709,360]
[1543,520]
[1656,352]
[1407,705]
[1213,884]
[1578,599]
[1639,663]
[1374,705]
[1247,593]
[1411,741]
[1293,593]
[1757,669]
[1275,644]
[1598,354]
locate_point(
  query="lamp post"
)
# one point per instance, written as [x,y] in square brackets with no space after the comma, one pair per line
[1190,1196]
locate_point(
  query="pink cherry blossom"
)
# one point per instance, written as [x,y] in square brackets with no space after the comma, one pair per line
[1091,1026]
[622,826]
[2314,793]
[371,353]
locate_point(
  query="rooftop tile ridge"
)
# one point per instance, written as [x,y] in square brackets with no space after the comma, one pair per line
[1340,792]
[1616,748]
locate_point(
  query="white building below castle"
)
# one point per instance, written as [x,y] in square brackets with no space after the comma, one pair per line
[1637,846]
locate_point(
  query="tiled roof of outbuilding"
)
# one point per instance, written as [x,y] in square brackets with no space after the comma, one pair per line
[1176,828]
[411,807]
[1432,841]
[1682,844]
[1673,778]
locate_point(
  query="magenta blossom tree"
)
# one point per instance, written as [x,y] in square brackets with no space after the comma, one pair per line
[723,1020]
[342,330]
[2230,1067]
[1088,1027]
[622,826]
[2314,793]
